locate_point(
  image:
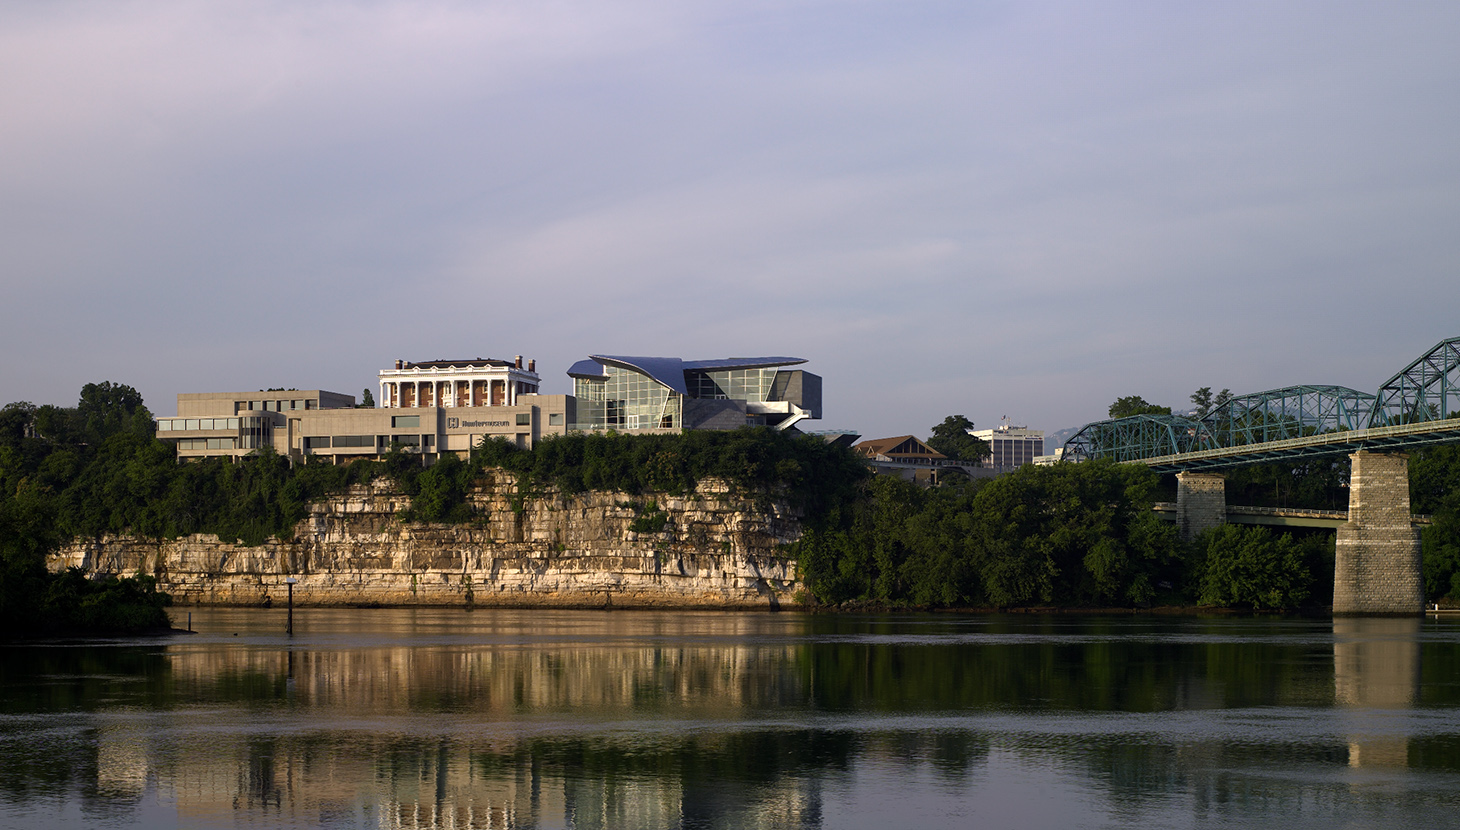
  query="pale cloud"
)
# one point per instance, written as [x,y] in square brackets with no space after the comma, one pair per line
[991,208]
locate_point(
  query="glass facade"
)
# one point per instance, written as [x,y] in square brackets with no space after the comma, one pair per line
[737,384]
[625,399]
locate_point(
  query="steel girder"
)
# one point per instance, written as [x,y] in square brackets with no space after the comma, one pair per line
[1138,437]
[1290,412]
[1293,422]
[1426,390]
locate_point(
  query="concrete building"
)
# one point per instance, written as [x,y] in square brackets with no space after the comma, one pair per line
[667,394]
[1011,447]
[430,408]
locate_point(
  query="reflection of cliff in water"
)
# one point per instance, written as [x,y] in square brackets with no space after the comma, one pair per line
[540,719]
[1376,676]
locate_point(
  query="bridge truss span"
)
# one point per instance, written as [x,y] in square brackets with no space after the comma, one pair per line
[1426,390]
[1418,406]
[1290,412]
[1395,439]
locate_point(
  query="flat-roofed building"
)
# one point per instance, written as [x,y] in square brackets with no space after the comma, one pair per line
[1010,447]
[434,407]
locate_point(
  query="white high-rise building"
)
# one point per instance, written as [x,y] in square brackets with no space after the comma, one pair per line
[1011,446]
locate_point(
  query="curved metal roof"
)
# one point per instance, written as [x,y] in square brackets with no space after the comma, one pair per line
[731,363]
[666,370]
[669,371]
[586,369]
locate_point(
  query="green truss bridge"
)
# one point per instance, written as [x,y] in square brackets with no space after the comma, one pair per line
[1378,567]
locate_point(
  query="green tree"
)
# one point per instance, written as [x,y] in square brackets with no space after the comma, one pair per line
[106,408]
[367,400]
[951,438]
[1205,402]
[1136,405]
[1253,567]
[1434,488]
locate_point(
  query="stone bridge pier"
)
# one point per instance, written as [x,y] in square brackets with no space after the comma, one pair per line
[1377,563]
[1201,502]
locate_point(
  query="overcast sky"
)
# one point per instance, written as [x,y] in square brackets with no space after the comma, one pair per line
[1023,209]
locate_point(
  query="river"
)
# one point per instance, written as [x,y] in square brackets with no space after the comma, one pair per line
[443,718]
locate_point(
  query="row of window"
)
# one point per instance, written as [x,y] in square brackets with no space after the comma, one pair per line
[324,442]
[207,443]
[169,424]
[274,406]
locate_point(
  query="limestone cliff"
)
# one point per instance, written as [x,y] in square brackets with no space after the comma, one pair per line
[715,549]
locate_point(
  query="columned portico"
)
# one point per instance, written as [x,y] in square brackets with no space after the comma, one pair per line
[457,383]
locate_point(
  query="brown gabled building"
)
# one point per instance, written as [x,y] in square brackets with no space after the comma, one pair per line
[911,459]
[904,449]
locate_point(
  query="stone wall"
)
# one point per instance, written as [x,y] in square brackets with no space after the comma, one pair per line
[1201,502]
[716,549]
[1377,554]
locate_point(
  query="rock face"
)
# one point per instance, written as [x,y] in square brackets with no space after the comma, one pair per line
[709,549]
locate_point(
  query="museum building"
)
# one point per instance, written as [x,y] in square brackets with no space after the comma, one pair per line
[441,406]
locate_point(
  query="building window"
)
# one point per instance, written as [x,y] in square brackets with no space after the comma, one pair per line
[404,421]
[555,419]
[524,419]
[611,403]
[317,443]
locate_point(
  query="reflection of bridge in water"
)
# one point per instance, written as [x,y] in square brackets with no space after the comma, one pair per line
[528,720]
[1376,679]
[1377,570]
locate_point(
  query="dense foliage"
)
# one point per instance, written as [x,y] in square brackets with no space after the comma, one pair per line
[1068,534]
[1072,535]
[819,477]
[1434,486]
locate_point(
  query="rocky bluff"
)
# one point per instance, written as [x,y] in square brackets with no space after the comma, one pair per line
[712,548]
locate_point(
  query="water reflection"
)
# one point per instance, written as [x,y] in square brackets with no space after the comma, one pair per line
[440,718]
[1376,675]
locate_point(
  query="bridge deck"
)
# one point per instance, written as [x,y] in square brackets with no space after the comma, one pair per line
[1329,443]
[1279,516]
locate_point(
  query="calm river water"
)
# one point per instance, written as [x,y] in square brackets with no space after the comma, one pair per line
[582,719]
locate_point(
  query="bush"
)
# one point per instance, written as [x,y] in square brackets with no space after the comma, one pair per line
[1253,567]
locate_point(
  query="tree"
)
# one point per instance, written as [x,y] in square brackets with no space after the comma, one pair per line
[1205,403]
[367,400]
[106,408]
[951,438]
[1136,405]
[1252,566]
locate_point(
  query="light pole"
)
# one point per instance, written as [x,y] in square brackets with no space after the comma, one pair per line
[289,629]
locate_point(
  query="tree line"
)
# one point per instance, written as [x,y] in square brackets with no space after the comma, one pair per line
[1074,535]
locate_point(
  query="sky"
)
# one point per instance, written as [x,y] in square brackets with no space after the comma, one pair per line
[1021,209]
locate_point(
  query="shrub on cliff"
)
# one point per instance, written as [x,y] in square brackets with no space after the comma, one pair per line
[820,477]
